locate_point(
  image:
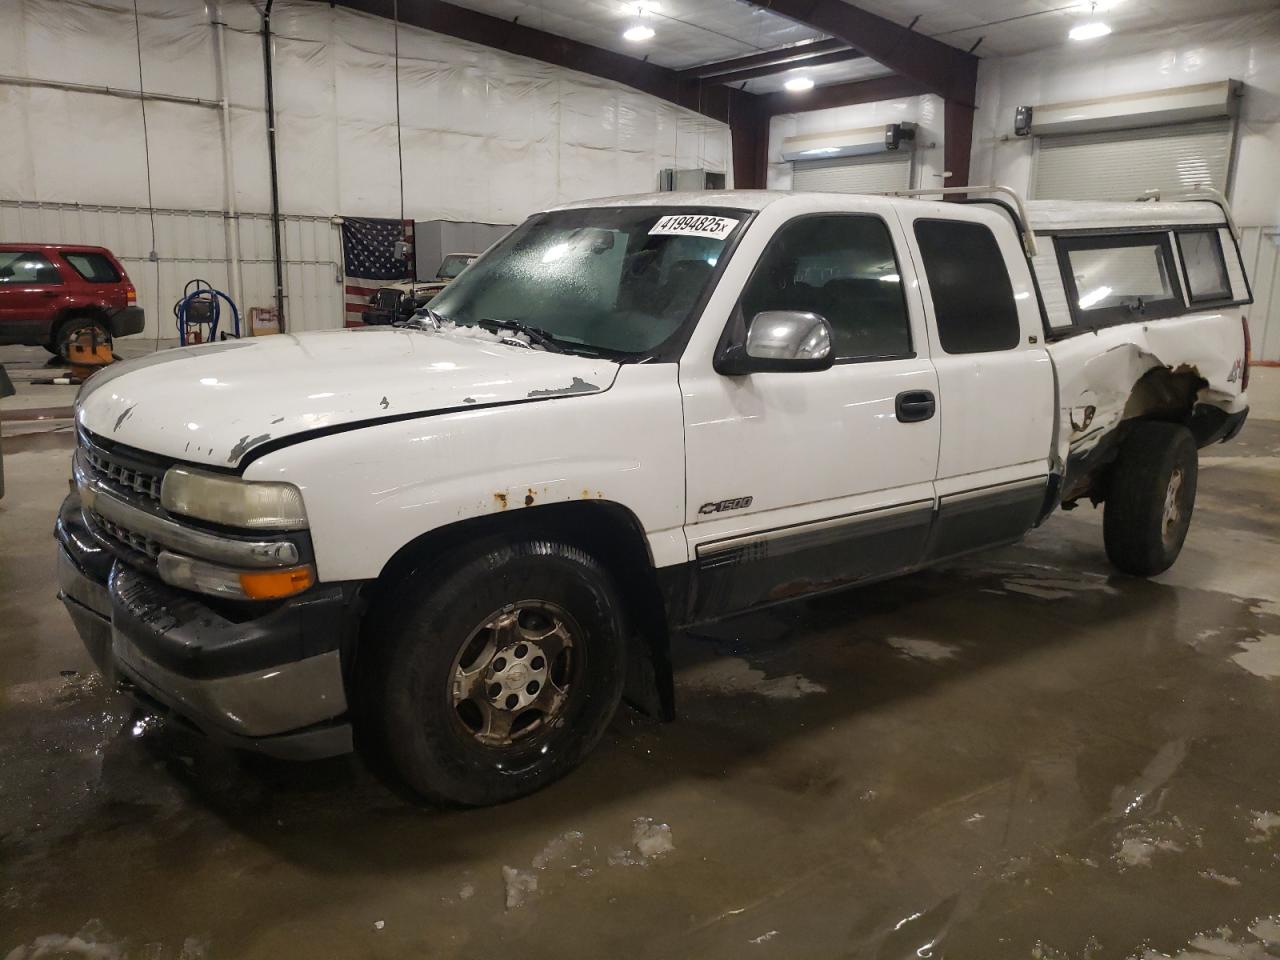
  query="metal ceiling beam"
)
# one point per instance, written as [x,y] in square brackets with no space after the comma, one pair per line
[714,101]
[942,69]
[751,73]
[796,52]
[840,95]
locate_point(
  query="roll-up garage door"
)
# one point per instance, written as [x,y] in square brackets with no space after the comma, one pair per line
[1122,164]
[873,174]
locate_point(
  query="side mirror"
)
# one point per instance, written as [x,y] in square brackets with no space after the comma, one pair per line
[779,341]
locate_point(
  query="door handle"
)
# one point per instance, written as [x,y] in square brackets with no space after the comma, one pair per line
[913,406]
[49,293]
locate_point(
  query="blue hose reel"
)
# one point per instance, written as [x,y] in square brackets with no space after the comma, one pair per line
[199,311]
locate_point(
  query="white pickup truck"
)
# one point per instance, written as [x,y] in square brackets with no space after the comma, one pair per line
[460,541]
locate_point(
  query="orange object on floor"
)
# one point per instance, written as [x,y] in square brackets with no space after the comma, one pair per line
[88,353]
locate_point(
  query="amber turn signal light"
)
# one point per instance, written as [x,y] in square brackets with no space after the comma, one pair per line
[272,584]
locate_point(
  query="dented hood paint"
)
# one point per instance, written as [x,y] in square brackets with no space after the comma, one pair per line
[213,404]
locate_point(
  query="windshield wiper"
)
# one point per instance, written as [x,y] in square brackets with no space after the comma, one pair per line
[543,339]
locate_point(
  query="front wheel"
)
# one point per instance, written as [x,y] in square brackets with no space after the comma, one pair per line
[1150,499]
[501,678]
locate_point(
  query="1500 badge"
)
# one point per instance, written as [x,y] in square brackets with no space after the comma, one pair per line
[738,503]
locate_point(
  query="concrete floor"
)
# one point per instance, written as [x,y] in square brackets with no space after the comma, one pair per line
[1021,755]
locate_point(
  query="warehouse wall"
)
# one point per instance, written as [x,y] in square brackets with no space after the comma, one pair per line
[925,111]
[1245,48]
[483,136]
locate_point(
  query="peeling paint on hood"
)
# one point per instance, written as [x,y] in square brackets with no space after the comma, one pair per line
[214,404]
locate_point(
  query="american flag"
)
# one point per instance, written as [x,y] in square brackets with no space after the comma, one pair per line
[370,262]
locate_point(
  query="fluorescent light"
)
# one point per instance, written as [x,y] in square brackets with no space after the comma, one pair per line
[1089,31]
[891,278]
[638,33]
[1094,297]
[799,84]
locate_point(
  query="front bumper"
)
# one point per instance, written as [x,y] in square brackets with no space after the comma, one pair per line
[126,320]
[272,684]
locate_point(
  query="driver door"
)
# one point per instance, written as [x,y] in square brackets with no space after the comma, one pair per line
[804,481]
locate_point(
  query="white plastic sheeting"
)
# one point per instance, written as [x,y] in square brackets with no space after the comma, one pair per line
[484,136]
[1242,48]
[924,111]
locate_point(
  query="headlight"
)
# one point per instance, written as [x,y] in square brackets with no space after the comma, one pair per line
[251,504]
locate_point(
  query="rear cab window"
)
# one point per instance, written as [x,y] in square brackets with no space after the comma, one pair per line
[93,267]
[969,283]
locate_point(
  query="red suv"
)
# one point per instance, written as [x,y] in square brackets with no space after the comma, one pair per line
[50,293]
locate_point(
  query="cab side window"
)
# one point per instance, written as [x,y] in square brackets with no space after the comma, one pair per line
[27,267]
[969,282]
[843,268]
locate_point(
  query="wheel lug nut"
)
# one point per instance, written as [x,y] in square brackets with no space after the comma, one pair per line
[537,663]
[532,688]
[521,650]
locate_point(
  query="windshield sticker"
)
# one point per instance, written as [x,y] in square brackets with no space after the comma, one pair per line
[687,225]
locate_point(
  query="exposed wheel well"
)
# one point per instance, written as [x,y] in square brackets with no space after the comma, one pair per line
[1162,394]
[606,530]
[72,314]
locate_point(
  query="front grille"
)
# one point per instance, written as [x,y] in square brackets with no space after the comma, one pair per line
[132,475]
[117,535]
[121,476]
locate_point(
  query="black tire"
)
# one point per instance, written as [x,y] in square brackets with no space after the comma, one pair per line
[68,330]
[1150,498]
[407,691]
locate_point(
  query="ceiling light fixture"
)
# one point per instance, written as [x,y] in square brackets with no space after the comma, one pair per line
[639,31]
[799,84]
[1089,31]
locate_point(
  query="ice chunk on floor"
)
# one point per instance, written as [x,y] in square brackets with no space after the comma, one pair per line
[735,675]
[1136,851]
[557,848]
[1264,823]
[89,943]
[521,885]
[764,937]
[930,650]
[651,839]
[1222,878]
[467,892]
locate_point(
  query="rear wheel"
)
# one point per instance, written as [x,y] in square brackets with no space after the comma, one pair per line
[500,679]
[1150,499]
[69,331]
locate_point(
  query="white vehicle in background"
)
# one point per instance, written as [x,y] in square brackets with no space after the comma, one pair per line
[464,539]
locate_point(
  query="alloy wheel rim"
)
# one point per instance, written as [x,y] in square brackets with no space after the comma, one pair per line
[512,678]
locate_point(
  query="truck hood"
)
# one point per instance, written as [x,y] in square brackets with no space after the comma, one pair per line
[213,404]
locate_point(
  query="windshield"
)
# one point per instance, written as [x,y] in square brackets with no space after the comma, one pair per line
[616,280]
[453,264]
